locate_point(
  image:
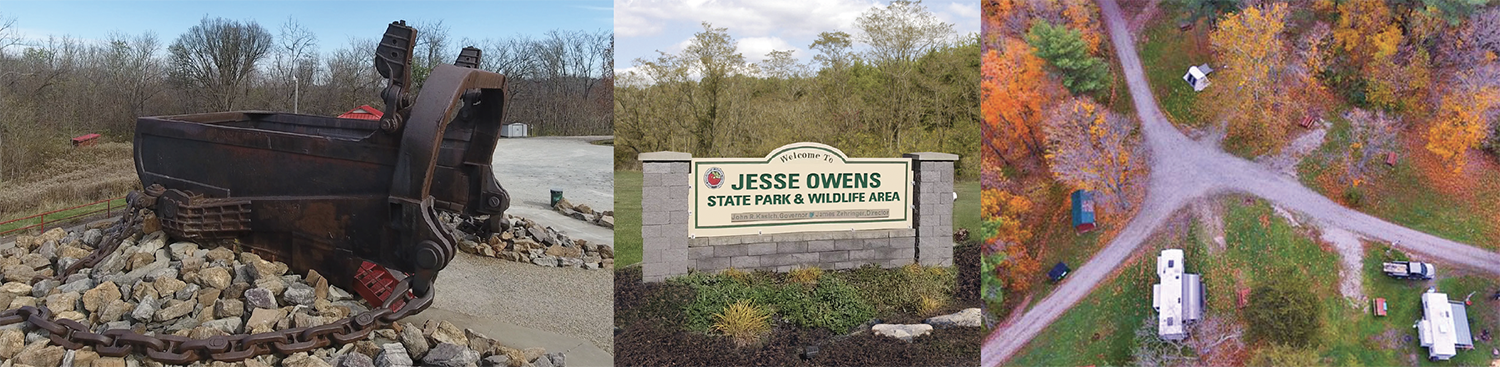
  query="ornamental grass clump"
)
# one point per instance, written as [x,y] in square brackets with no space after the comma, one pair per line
[743,322]
[804,275]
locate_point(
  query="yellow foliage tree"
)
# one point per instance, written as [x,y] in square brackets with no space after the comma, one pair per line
[1092,149]
[1249,45]
[1460,120]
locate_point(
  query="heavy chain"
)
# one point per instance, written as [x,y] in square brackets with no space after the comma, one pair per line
[172,349]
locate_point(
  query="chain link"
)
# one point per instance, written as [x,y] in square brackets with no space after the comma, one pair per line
[172,349]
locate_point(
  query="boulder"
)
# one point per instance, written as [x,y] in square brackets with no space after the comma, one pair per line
[902,331]
[303,360]
[260,298]
[100,296]
[174,309]
[115,310]
[215,277]
[40,354]
[301,294]
[264,320]
[450,355]
[411,337]
[969,317]
[145,310]
[393,355]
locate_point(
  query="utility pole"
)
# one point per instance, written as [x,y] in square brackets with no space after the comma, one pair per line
[296,92]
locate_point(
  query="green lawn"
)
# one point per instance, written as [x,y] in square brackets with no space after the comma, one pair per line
[1166,55]
[627,218]
[966,209]
[628,214]
[118,204]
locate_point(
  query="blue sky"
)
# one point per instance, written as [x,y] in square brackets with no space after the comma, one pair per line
[644,26]
[334,22]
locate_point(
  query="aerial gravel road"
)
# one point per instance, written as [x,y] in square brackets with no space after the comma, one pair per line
[1184,170]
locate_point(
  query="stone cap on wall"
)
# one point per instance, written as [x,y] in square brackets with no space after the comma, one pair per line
[665,157]
[931,156]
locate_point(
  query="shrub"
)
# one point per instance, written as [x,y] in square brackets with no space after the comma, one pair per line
[1283,313]
[736,274]
[804,275]
[899,292]
[832,304]
[1278,355]
[1355,197]
[743,322]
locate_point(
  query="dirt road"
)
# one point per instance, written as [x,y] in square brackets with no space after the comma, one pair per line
[1183,170]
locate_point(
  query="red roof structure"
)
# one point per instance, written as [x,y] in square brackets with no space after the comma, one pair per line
[364,112]
[85,140]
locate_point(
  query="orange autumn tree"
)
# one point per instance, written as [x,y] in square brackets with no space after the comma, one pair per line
[1248,89]
[1460,121]
[1013,88]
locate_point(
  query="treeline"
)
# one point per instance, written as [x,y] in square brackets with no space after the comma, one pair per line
[59,87]
[905,82]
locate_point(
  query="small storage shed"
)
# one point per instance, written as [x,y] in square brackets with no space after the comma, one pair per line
[1058,271]
[85,140]
[1083,211]
[514,130]
[364,112]
[1197,76]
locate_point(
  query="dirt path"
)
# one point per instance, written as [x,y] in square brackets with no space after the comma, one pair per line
[1351,258]
[1183,170]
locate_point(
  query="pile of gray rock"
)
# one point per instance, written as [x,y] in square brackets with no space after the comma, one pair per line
[603,218]
[155,286]
[529,242]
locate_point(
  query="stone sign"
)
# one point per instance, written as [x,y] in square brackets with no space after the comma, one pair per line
[802,187]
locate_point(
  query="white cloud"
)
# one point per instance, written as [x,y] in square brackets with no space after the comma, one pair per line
[964,16]
[755,49]
[794,18]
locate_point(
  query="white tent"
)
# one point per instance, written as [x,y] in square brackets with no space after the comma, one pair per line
[1197,76]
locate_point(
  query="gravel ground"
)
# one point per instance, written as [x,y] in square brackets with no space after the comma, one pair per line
[573,302]
[530,168]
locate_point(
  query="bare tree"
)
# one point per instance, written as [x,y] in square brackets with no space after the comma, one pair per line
[1091,148]
[431,49]
[9,35]
[901,31]
[781,65]
[217,57]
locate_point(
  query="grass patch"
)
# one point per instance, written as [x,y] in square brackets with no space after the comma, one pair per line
[74,177]
[1064,243]
[1166,55]
[628,250]
[1100,329]
[100,208]
[966,209]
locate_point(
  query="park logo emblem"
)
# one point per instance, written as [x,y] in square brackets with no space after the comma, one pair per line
[714,178]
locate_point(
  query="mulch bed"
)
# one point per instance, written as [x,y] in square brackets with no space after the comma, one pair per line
[649,332]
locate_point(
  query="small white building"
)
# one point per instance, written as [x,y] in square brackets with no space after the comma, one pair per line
[1444,327]
[1197,76]
[513,130]
[1178,299]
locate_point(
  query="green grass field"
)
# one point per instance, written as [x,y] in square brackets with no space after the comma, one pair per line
[1166,55]
[628,214]
[1065,244]
[627,218]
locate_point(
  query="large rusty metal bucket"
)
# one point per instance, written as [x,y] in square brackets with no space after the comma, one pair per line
[326,193]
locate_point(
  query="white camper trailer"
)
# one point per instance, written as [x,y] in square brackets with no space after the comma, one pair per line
[1444,327]
[1178,299]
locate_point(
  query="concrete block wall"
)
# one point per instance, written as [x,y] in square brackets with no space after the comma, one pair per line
[932,207]
[786,251]
[669,252]
[664,214]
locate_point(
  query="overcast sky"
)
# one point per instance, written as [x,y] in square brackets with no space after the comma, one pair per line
[643,27]
[334,22]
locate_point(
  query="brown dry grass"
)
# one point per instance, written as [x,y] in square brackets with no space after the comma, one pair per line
[75,177]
